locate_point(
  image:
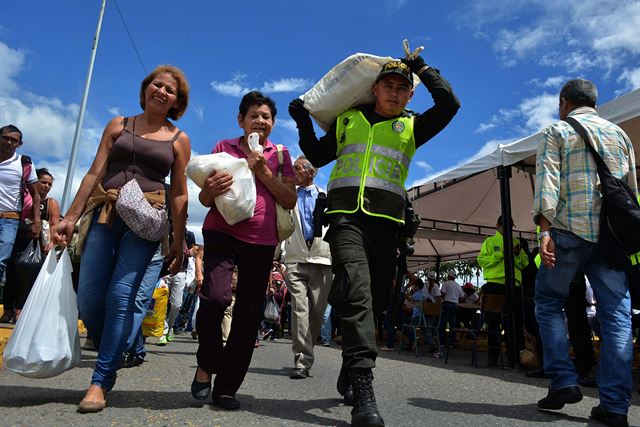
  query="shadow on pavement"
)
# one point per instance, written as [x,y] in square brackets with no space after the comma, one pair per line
[528,412]
[295,410]
[284,371]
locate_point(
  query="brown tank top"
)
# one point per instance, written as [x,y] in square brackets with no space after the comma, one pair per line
[153,160]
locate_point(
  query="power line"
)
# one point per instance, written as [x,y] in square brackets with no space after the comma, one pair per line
[130,38]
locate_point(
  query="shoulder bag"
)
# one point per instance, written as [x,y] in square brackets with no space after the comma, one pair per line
[284,217]
[620,212]
[135,210]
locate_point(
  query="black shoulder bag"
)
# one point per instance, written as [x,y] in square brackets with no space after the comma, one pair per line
[619,215]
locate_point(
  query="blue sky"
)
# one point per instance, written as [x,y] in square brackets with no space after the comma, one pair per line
[505,59]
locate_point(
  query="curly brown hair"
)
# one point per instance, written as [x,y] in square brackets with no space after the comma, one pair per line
[183,89]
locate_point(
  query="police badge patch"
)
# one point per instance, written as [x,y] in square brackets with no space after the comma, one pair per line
[397,126]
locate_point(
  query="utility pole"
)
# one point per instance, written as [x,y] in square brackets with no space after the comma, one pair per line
[76,137]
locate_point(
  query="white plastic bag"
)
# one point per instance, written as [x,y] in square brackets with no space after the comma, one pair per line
[45,341]
[346,85]
[238,203]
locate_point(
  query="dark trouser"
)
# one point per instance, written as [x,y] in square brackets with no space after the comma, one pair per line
[448,316]
[578,325]
[494,320]
[221,253]
[633,278]
[363,251]
[17,289]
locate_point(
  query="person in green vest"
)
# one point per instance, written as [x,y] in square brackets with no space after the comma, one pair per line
[491,259]
[373,145]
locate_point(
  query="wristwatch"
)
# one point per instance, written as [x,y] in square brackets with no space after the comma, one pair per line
[543,234]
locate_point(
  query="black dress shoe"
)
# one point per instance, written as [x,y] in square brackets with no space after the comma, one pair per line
[200,391]
[226,402]
[132,361]
[536,373]
[299,373]
[557,398]
[612,419]
[587,382]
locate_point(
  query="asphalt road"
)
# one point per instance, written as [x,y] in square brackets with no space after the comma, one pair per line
[411,391]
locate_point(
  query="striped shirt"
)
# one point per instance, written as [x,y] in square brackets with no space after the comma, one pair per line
[566,174]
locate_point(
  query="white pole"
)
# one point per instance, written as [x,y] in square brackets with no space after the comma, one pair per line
[76,137]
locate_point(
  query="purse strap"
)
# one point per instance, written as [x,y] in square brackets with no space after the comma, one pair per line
[280,160]
[133,146]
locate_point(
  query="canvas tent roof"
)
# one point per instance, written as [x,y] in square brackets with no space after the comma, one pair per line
[459,207]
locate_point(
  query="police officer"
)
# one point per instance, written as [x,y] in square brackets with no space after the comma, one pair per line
[491,259]
[373,145]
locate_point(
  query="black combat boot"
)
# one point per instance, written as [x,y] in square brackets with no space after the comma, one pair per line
[365,411]
[344,387]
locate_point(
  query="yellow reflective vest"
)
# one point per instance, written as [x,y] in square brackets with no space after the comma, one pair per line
[491,259]
[372,166]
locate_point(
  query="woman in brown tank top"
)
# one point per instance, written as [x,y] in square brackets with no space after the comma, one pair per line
[115,259]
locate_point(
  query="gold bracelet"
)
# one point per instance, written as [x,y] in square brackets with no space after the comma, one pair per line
[423,69]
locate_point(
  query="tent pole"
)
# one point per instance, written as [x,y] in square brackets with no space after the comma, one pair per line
[504,174]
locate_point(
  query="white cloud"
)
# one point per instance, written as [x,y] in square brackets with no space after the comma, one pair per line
[589,33]
[10,65]
[521,42]
[237,86]
[550,82]
[287,124]
[483,127]
[199,112]
[574,62]
[114,111]
[234,87]
[395,5]
[48,124]
[630,78]
[291,84]
[614,28]
[424,165]
[539,111]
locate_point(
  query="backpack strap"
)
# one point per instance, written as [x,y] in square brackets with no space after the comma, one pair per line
[27,201]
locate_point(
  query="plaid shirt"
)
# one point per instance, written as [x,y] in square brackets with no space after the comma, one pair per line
[567,175]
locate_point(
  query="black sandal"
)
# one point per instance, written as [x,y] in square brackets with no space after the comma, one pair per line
[200,391]
[226,402]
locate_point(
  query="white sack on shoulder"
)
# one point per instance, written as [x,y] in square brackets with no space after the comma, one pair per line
[239,202]
[346,85]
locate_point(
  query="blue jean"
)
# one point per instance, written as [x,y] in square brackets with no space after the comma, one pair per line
[424,321]
[135,342]
[113,264]
[325,330]
[614,312]
[449,313]
[8,231]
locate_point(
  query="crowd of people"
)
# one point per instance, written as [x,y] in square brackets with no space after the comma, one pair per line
[336,269]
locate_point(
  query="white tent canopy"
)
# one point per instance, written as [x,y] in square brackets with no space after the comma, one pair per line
[459,207]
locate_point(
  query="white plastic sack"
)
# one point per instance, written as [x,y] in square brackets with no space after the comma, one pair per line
[346,85]
[238,203]
[45,341]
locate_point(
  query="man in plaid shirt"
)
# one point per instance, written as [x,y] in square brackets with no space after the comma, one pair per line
[567,209]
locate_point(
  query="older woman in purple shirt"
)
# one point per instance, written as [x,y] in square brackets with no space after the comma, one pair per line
[250,245]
